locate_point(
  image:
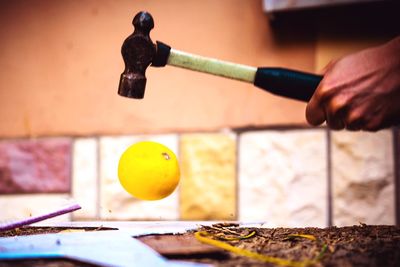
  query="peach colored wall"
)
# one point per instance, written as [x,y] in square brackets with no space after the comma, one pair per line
[60,65]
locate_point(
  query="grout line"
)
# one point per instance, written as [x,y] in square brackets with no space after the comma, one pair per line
[98,178]
[71,167]
[329,177]
[396,159]
[237,169]
[72,174]
[179,152]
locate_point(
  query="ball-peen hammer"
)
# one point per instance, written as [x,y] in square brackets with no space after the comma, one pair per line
[139,52]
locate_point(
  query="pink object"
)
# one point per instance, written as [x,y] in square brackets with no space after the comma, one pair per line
[35,166]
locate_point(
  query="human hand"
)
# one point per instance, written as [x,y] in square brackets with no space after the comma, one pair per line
[360,91]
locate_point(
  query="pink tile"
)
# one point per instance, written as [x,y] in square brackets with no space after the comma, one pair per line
[35,166]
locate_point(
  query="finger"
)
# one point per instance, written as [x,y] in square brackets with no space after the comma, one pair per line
[315,112]
[335,112]
[373,124]
[355,126]
[334,122]
[372,127]
[372,117]
[354,120]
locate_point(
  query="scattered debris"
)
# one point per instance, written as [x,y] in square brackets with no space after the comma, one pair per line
[216,233]
[359,245]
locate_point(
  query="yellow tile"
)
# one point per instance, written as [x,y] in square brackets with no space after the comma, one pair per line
[208,183]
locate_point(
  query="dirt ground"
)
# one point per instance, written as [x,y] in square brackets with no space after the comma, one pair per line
[361,245]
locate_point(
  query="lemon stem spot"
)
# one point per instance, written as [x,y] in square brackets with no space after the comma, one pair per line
[166,156]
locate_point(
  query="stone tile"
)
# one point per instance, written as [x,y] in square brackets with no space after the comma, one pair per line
[85,178]
[362,178]
[27,205]
[35,165]
[115,202]
[208,185]
[283,178]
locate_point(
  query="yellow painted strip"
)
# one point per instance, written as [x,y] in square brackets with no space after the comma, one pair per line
[203,237]
[72,231]
[311,237]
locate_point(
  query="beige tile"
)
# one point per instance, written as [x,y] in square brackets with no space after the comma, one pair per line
[115,202]
[363,179]
[208,185]
[85,178]
[24,206]
[283,178]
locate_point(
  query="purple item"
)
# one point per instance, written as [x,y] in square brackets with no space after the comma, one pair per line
[22,222]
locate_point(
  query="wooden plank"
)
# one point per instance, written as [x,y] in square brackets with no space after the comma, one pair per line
[185,244]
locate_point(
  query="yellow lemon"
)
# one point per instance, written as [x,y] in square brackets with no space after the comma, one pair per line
[148,170]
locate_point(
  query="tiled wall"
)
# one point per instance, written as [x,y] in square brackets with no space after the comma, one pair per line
[290,177]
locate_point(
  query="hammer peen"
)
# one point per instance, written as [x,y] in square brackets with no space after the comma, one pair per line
[138,52]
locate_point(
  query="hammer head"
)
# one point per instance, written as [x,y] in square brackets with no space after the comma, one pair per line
[138,52]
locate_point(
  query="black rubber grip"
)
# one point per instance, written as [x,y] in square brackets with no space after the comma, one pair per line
[287,83]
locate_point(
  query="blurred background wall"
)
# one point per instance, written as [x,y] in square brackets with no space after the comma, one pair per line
[245,154]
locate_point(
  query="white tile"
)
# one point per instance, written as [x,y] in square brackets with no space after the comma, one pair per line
[85,178]
[115,202]
[363,179]
[283,177]
[25,206]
